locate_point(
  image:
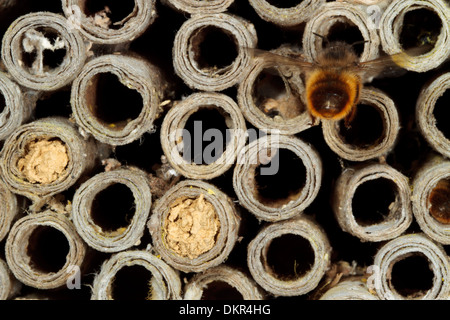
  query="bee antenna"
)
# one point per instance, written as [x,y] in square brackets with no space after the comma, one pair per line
[322,37]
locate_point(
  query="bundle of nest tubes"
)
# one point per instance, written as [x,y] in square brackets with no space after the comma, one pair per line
[147,153]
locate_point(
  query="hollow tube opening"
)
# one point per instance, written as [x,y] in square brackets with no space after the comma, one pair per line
[205,135]
[220,290]
[439,201]
[111,102]
[132,283]
[280,180]
[365,130]
[289,257]
[214,48]
[348,32]
[113,208]
[271,96]
[373,201]
[111,14]
[411,276]
[441,113]
[2,102]
[48,249]
[421,27]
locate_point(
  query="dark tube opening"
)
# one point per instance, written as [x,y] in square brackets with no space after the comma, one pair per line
[373,200]
[205,135]
[220,290]
[113,207]
[412,276]
[284,4]
[110,14]
[132,283]
[365,130]
[347,32]
[441,113]
[38,58]
[271,96]
[111,102]
[48,249]
[289,257]
[439,201]
[281,180]
[421,27]
[2,102]
[214,48]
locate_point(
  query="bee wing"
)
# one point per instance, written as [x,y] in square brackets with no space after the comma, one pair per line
[274,59]
[389,65]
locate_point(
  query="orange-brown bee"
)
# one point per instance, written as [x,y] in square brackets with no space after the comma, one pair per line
[334,81]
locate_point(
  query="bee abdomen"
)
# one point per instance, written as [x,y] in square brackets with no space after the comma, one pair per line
[331,96]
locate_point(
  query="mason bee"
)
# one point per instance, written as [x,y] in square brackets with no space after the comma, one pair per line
[334,81]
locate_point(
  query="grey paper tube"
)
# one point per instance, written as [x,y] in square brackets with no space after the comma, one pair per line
[265,273]
[391,25]
[267,150]
[133,73]
[9,286]
[32,33]
[50,139]
[95,230]
[411,246]
[164,283]
[193,197]
[272,97]
[193,66]
[98,27]
[24,250]
[425,117]
[219,277]
[382,145]
[173,142]
[397,216]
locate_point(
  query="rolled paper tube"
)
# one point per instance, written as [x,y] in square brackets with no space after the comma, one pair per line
[430,199]
[290,257]
[116,23]
[286,156]
[290,14]
[333,15]
[199,6]
[432,127]
[411,267]
[16,107]
[372,202]
[9,286]
[141,86]
[101,209]
[209,50]
[349,290]
[9,209]
[222,282]
[194,226]
[152,278]
[178,143]
[373,139]
[44,249]
[41,52]
[45,157]
[393,23]
[272,97]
